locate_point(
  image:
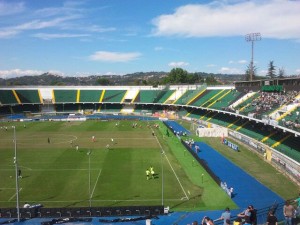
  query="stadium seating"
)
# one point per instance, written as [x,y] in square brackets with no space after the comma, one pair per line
[146,96]
[115,96]
[204,97]
[163,96]
[225,99]
[64,96]
[29,96]
[8,97]
[183,99]
[90,95]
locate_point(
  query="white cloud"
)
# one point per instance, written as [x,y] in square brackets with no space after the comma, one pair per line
[178,64]
[263,72]
[158,48]
[59,18]
[11,8]
[298,71]
[114,56]
[228,70]
[60,35]
[18,73]
[5,74]
[242,61]
[41,24]
[7,32]
[273,18]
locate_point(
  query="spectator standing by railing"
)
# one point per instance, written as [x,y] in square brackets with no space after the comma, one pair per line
[207,221]
[272,219]
[288,212]
[253,217]
[224,216]
[298,205]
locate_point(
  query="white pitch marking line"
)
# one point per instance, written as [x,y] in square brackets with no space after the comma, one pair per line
[172,168]
[14,195]
[96,183]
[110,200]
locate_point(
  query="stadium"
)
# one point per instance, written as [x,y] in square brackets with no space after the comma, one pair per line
[80,154]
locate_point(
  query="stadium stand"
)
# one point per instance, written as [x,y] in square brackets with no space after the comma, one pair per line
[207,94]
[115,96]
[8,97]
[64,96]
[184,98]
[163,96]
[29,96]
[90,96]
[146,96]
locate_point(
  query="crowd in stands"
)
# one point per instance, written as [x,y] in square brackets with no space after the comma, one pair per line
[272,100]
[267,101]
[293,122]
[249,216]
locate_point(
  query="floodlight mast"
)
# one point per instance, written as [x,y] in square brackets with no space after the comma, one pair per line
[252,37]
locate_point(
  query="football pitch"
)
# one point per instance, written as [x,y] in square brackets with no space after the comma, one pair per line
[107,171]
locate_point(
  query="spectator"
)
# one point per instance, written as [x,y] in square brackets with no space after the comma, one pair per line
[288,212]
[297,200]
[207,221]
[245,215]
[26,205]
[253,218]
[272,219]
[238,221]
[225,216]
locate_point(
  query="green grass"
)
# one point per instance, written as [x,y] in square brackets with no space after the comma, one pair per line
[56,175]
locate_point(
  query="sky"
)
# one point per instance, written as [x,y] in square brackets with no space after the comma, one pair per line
[108,37]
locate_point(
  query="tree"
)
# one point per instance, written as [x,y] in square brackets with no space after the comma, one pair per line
[247,72]
[103,81]
[144,82]
[177,76]
[271,70]
[281,72]
[211,80]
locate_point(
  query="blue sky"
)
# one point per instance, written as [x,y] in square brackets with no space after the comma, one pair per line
[104,37]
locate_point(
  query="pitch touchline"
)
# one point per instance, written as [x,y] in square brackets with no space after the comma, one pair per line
[51,169]
[118,138]
[112,200]
[163,152]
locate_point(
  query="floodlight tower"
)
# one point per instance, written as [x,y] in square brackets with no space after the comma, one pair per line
[252,37]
